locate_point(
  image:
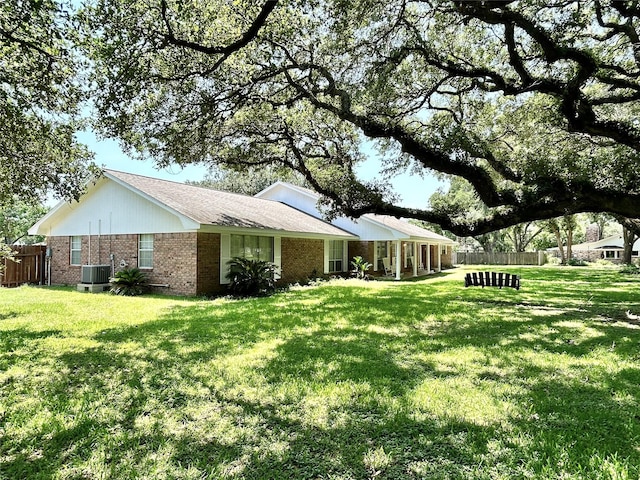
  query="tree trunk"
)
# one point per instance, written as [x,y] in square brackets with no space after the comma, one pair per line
[556,231]
[629,238]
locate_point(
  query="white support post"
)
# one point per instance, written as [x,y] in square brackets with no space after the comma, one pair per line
[439,258]
[428,258]
[415,259]
[398,258]
[375,256]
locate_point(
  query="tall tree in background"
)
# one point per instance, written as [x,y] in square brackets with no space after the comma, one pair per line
[523,234]
[630,233]
[248,181]
[564,229]
[40,97]
[535,103]
[16,218]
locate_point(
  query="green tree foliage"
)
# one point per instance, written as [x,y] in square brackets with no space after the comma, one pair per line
[248,181]
[564,229]
[6,253]
[40,97]
[535,104]
[16,218]
[630,234]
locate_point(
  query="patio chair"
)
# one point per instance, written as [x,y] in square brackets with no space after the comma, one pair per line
[387,266]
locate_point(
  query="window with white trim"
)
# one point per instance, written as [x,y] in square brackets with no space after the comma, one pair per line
[75,250]
[336,255]
[145,250]
[252,247]
[381,252]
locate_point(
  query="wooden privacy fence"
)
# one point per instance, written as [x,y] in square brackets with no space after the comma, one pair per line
[29,269]
[509,258]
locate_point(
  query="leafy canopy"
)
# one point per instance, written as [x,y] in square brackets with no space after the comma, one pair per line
[40,99]
[535,104]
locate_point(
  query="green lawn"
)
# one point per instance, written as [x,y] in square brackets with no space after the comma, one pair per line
[349,380]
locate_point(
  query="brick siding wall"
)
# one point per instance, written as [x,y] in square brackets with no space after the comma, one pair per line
[208,264]
[175,263]
[174,259]
[446,261]
[363,249]
[300,257]
[189,263]
[61,272]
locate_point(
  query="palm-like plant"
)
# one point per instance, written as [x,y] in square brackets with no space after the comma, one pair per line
[360,267]
[129,282]
[251,277]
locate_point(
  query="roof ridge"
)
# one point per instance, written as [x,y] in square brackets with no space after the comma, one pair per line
[182,184]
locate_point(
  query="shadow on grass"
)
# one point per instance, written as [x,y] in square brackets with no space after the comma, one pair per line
[323,382]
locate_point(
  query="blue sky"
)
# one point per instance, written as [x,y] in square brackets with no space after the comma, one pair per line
[413,189]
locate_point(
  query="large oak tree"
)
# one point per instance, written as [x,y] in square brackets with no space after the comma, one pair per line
[535,104]
[40,98]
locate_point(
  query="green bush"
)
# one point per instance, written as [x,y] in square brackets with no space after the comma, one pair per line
[576,262]
[251,277]
[129,282]
[630,269]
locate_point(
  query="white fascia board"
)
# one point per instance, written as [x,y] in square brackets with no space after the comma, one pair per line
[273,232]
[432,240]
[187,222]
[288,186]
[264,191]
[37,228]
[393,233]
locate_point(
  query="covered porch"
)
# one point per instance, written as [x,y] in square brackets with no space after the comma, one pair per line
[412,257]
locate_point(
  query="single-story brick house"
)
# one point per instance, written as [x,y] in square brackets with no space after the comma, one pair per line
[609,248]
[183,235]
[406,248]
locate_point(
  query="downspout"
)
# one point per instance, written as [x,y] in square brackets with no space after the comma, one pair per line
[89,258]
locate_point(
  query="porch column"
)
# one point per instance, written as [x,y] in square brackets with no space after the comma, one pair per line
[415,259]
[439,258]
[428,258]
[398,258]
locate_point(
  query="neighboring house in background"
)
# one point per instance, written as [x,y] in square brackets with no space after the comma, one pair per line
[182,235]
[384,240]
[609,248]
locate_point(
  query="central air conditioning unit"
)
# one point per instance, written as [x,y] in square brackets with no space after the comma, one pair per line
[96,273]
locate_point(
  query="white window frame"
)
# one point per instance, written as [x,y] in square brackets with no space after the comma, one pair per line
[334,258]
[144,240]
[75,245]
[225,256]
[245,248]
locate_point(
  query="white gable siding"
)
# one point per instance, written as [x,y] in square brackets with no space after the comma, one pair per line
[292,197]
[363,228]
[112,209]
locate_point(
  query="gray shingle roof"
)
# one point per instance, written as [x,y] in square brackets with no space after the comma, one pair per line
[407,228]
[394,223]
[212,207]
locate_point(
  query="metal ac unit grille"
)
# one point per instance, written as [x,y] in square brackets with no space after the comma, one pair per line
[96,273]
